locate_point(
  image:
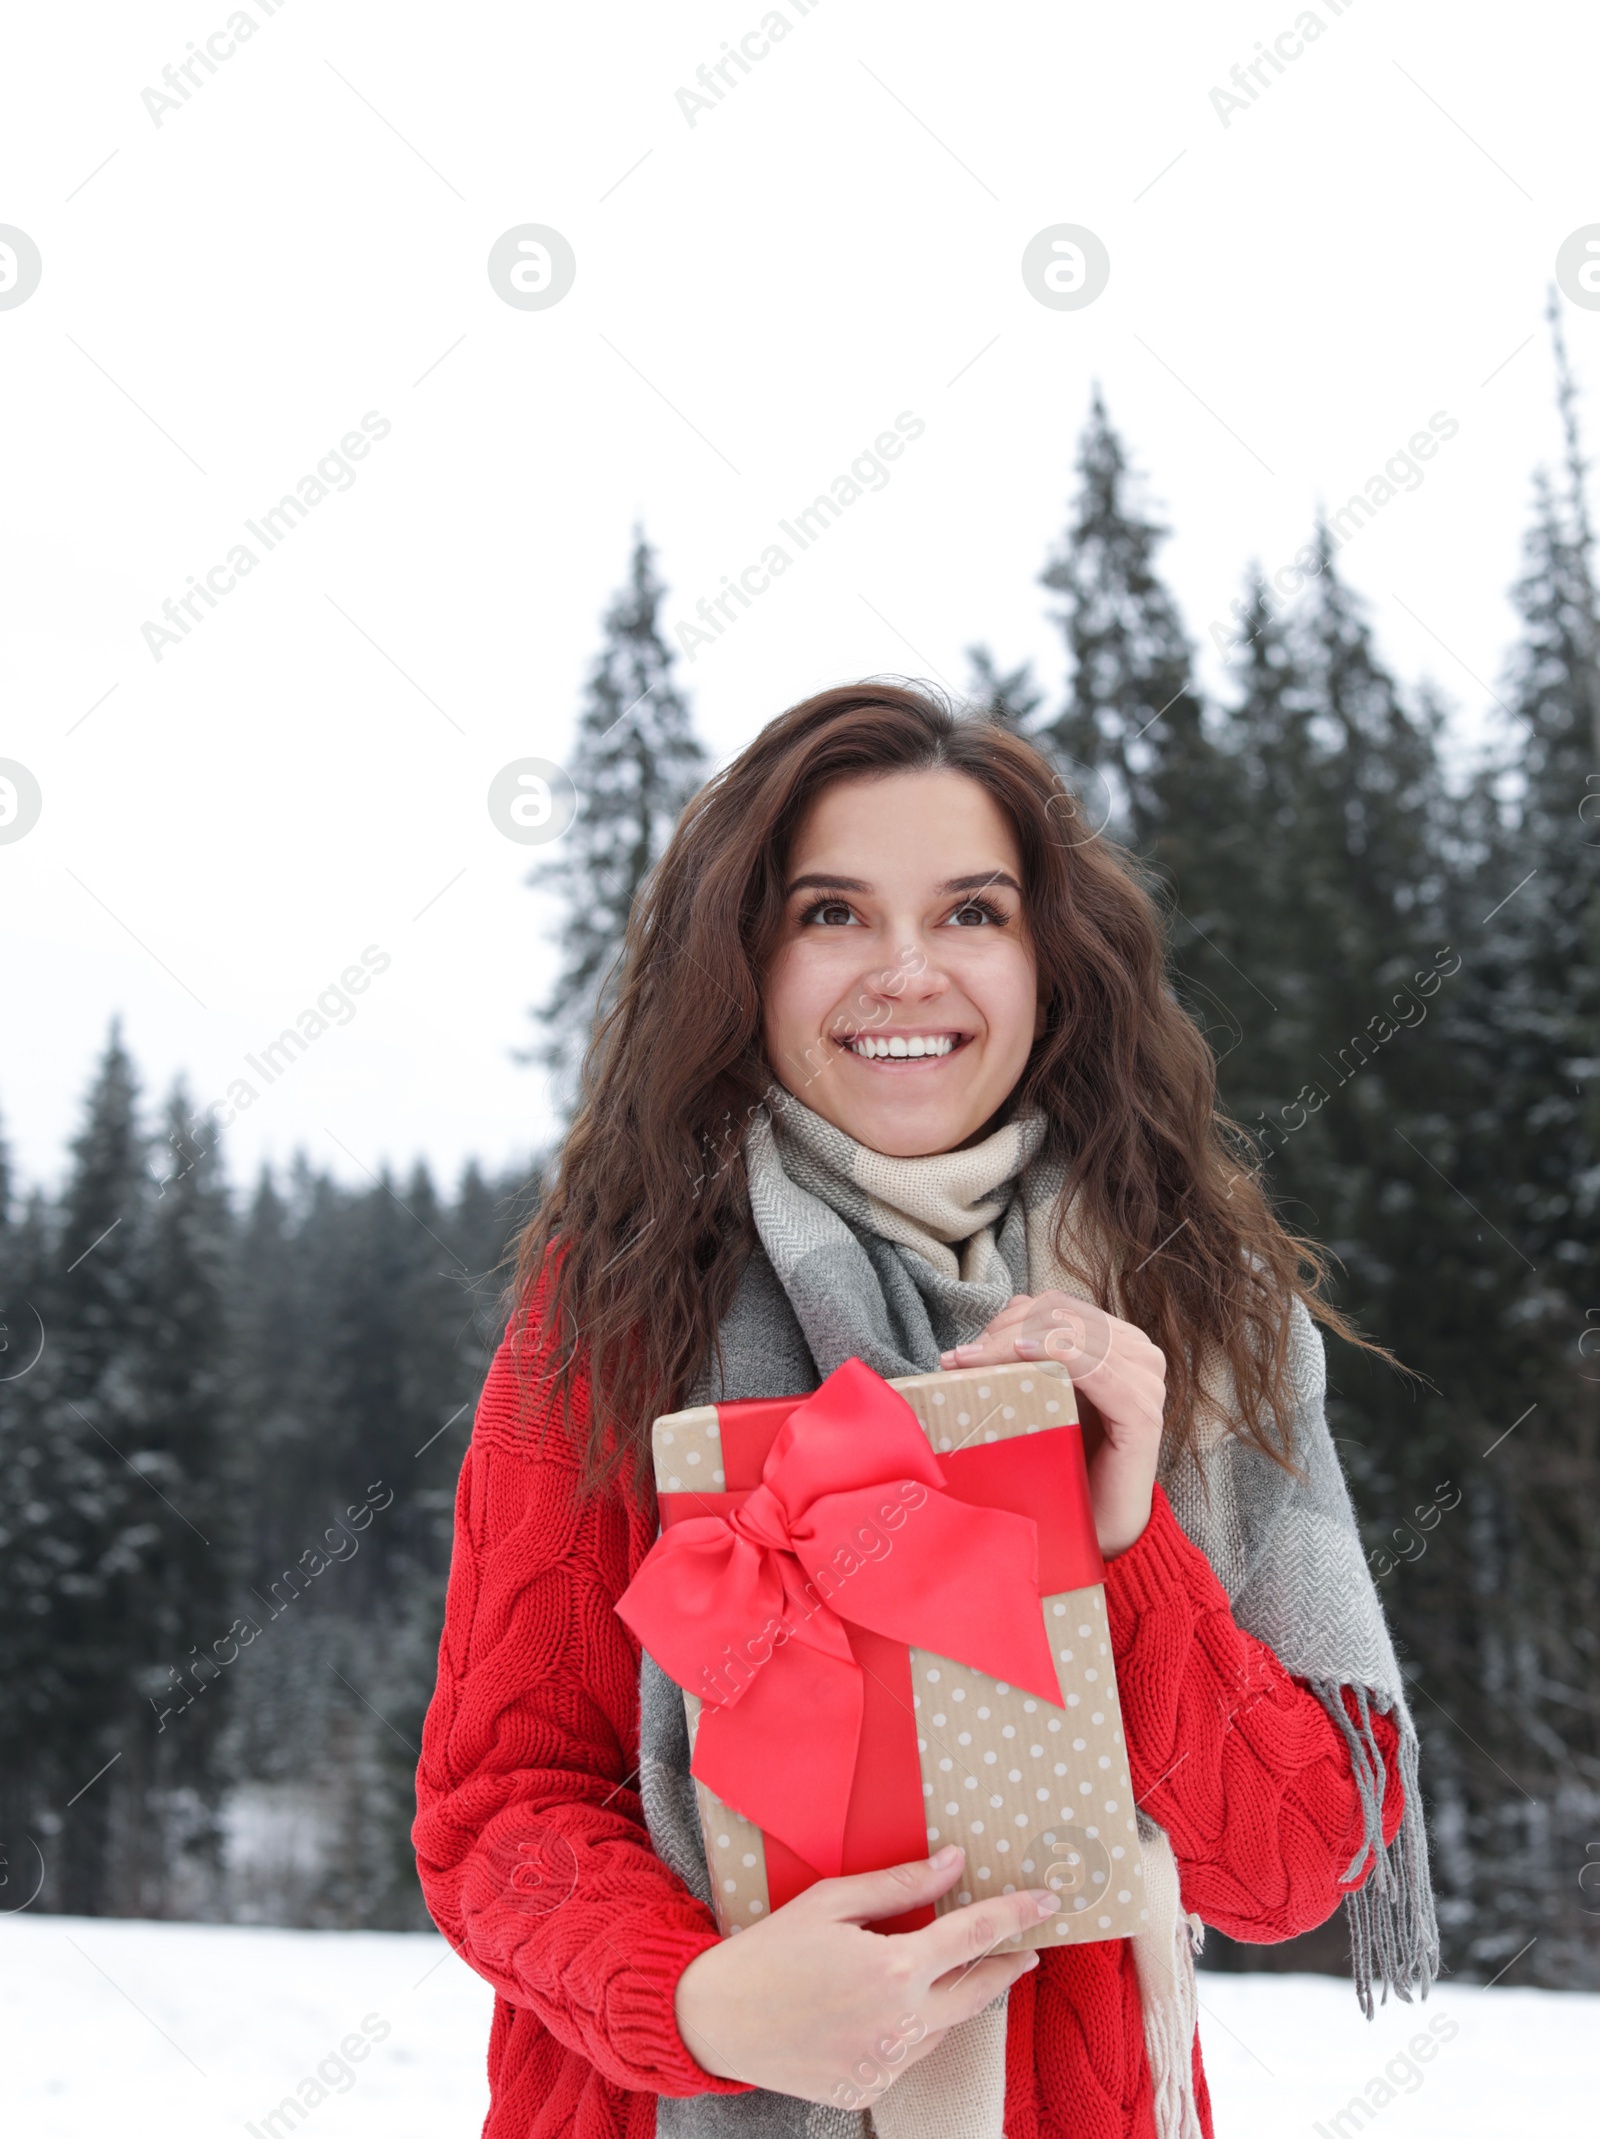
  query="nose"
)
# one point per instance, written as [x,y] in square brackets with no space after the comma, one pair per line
[916,976]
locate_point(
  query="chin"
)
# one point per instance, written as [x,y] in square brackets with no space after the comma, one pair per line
[907,1136]
[910,1147]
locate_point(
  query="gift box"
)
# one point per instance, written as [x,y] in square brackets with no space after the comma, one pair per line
[885,1605]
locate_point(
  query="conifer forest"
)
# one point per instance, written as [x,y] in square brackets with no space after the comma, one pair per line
[231,1415]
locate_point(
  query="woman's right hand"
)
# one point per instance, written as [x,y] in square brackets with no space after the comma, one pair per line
[807,2002]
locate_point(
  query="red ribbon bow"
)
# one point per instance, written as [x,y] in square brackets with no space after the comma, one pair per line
[852,1525]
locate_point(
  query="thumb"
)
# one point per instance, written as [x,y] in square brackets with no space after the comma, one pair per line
[863,1897]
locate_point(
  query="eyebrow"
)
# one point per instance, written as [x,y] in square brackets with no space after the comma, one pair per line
[981,882]
[984,881]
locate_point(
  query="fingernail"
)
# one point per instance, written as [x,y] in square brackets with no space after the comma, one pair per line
[1028,1348]
[945,1358]
[945,1857]
[1047,1903]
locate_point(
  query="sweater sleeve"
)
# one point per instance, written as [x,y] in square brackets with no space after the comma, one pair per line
[1240,1763]
[531,1843]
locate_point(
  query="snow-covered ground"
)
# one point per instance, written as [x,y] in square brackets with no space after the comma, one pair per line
[186,2031]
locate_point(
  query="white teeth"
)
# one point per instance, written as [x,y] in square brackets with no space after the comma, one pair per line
[929,1044]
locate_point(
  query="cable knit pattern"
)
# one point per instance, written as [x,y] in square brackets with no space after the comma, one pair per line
[1239,1762]
[530,1838]
[536,1865]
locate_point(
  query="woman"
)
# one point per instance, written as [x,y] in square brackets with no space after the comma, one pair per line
[894,1072]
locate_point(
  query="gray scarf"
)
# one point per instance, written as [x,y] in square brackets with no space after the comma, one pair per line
[894,1261]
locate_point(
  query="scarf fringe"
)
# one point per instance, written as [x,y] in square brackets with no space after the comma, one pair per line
[1163,1959]
[1394,1939]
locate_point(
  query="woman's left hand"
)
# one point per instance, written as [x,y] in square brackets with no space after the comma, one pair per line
[1121,1380]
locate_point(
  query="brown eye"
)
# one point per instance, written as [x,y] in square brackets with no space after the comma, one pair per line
[830,913]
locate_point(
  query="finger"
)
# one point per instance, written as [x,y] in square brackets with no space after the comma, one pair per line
[1115,1389]
[1122,1389]
[972,1933]
[863,1897]
[1141,1400]
[1014,1311]
[992,1349]
[1082,1347]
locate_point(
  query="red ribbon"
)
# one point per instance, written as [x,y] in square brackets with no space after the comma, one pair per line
[768,1606]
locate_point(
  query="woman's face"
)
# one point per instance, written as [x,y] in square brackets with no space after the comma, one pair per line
[903,999]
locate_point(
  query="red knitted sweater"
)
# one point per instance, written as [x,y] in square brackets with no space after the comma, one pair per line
[536,1865]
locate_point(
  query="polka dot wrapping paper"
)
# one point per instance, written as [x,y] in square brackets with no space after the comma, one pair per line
[1036,1794]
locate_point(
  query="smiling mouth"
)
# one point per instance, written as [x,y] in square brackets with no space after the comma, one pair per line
[904,1046]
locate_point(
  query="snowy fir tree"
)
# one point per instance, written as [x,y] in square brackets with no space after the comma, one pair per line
[1009,695]
[635,762]
[1132,712]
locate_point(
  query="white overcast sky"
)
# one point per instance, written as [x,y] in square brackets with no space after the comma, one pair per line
[305,239]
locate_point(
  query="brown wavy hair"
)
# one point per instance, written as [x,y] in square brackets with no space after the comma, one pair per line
[632,1258]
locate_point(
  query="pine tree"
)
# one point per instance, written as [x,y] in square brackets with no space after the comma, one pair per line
[31,1738]
[82,1537]
[1544,940]
[275,1360]
[166,1788]
[1518,1651]
[636,762]
[1132,712]
[391,1343]
[1010,695]
[1132,737]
